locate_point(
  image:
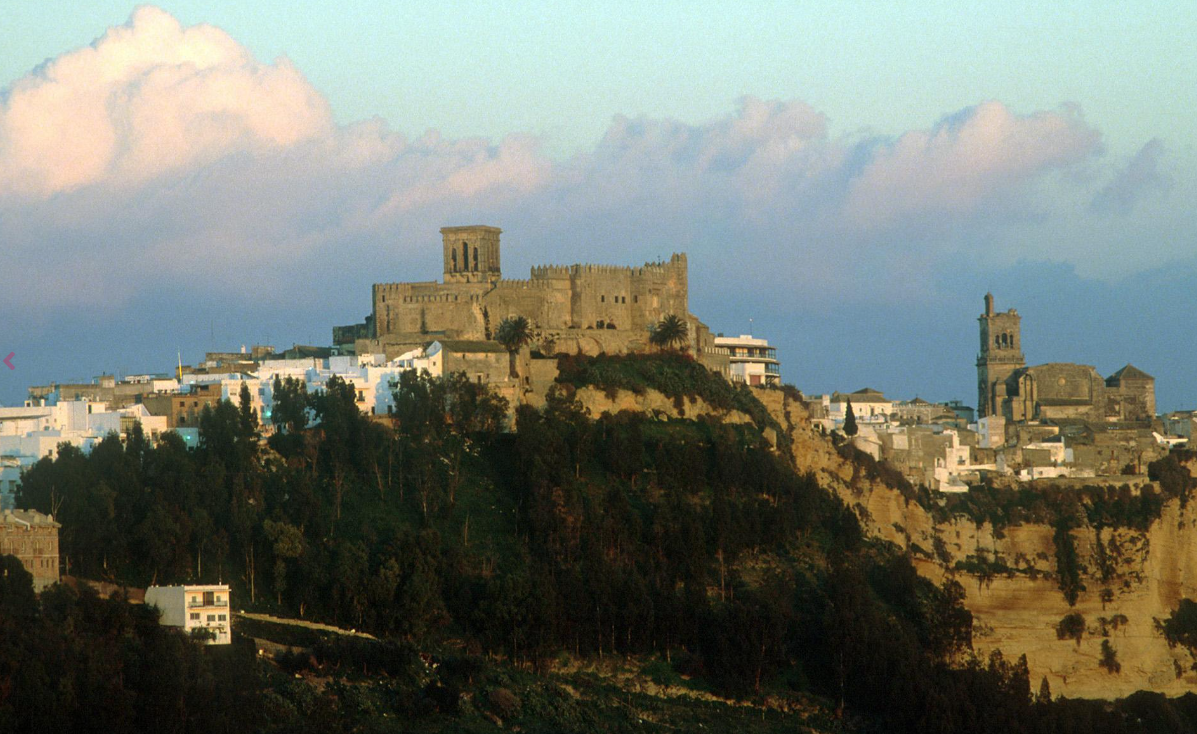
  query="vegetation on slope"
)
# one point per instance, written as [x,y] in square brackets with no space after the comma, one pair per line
[674,374]
[690,544]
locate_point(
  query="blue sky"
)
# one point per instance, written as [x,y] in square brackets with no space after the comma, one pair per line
[852,176]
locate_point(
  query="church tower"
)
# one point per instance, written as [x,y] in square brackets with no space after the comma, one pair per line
[1001,355]
[471,253]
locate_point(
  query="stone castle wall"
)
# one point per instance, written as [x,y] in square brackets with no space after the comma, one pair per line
[554,298]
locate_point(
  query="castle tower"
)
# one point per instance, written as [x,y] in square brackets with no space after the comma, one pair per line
[1001,355]
[471,253]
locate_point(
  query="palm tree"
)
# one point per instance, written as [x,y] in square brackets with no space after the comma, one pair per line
[513,333]
[669,332]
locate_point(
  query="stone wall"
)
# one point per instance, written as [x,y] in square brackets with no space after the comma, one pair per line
[474,297]
[33,538]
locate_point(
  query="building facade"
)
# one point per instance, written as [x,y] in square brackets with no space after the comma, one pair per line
[1000,356]
[33,538]
[752,361]
[571,308]
[1057,391]
[195,607]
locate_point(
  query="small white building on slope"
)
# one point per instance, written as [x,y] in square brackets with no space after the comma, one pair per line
[753,361]
[192,607]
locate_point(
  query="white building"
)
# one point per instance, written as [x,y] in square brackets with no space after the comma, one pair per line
[753,361]
[868,405]
[195,607]
[34,431]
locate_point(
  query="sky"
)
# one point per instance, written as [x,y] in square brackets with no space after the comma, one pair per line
[847,178]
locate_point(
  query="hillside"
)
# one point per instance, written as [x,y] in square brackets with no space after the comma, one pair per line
[1135,559]
[702,538]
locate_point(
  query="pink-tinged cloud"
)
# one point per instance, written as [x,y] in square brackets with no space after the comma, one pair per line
[970,159]
[148,98]
[167,155]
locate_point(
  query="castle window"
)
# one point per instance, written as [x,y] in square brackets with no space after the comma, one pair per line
[454,253]
[475,258]
[635,299]
[603,299]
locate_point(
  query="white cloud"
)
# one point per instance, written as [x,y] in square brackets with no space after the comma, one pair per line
[968,160]
[148,98]
[167,157]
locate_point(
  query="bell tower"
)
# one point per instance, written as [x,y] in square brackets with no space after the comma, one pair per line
[1000,356]
[471,253]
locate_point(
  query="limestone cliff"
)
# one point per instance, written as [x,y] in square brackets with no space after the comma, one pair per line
[1017,611]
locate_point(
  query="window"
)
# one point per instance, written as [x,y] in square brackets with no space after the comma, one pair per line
[221,618]
[602,299]
[209,598]
[195,616]
[211,617]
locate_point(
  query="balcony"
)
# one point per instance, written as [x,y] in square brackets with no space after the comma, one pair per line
[200,605]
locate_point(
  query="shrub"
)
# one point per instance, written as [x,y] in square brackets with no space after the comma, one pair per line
[1072,626]
[1109,658]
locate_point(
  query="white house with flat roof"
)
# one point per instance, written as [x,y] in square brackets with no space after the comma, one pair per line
[195,606]
[753,361]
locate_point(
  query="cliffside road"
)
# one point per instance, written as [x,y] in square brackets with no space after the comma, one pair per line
[302,623]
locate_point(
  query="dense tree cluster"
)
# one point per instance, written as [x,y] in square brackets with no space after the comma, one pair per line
[74,662]
[624,534]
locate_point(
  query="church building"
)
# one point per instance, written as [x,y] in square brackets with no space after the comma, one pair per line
[1058,391]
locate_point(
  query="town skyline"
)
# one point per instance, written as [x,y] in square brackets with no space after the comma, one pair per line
[859,241]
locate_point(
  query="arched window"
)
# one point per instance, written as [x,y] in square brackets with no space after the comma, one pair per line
[454,270]
[465,256]
[475,258]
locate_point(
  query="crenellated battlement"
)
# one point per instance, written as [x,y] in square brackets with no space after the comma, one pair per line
[564,271]
[550,271]
[517,283]
[474,296]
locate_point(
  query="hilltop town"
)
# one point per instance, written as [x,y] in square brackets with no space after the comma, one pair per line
[619,460]
[1056,421]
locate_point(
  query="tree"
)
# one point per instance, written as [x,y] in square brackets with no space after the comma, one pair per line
[669,332]
[513,333]
[1072,626]
[850,428]
[1109,658]
[248,418]
[288,545]
[1180,628]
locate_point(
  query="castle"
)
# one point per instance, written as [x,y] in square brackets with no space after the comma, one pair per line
[572,309]
[1059,391]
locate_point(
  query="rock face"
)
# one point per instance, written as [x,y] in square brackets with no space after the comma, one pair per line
[596,402]
[1017,612]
